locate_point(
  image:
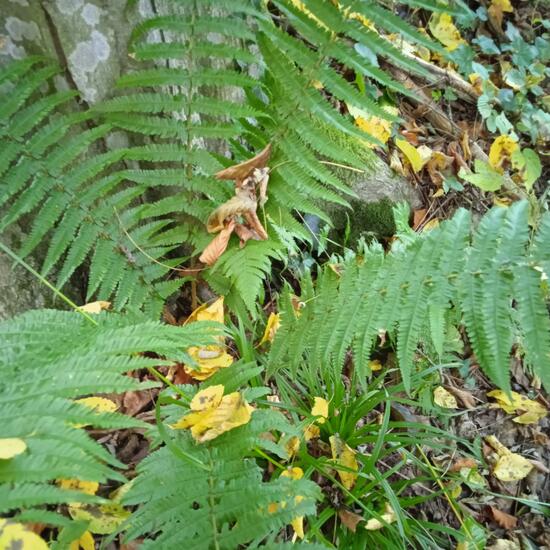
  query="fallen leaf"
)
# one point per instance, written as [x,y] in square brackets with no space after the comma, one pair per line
[375,365]
[211,414]
[241,171]
[10,447]
[208,312]
[102,519]
[17,536]
[504,544]
[292,446]
[134,401]
[444,399]
[311,432]
[501,152]
[209,360]
[86,542]
[467,399]
[86,487]
[430,224]
[271,328]
[298,522]
[395,163]
[532,411]
[350,519]
[217,245]
[462,463]
[529,167]
[509,466]
[442,27]
[438,163]
[97,404]
[418,217]
[378,128]
[320,409]
[417,156]
[388,516]
[255,224]
[344,455]
[506,521]
[497,9]
[95,307]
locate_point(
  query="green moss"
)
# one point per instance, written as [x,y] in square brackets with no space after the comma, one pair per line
[367,220]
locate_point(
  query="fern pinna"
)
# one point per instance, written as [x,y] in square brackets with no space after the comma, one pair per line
[195,93]
[49,359]
[496,280]
[219,498]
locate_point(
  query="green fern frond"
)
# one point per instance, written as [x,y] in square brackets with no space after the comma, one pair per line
[49,359]
[493,281]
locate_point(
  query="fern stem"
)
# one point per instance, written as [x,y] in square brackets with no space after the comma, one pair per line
[165,380]
[47,283]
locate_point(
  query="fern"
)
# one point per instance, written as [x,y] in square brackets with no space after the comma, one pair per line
[196,91]
[49,359]
[494,279]
[223,504]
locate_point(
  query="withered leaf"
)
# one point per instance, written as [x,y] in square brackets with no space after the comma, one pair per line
[255,224]
[463,463]
[506,521]
[350,519]
[240,171]
[217,245]
[245,234]
[238,205]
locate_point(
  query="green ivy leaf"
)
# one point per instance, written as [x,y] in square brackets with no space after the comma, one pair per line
[484,177]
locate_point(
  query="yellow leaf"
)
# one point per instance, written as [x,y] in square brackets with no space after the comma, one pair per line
[417,157]
[432,224]
[497,9]
[292,446]
[509,466]
[98,404]
[95,307]
[442,27]
[320,409]
[271,328]
[388,516]
[377,127]
[209,359]
[10,447]
[501,152]
[532,411]
[87,487]
[17,536]
[86,542]
[103,519]
[218,416]
[312,432]
[375,365]
[298,522]
[344,455]
[444,399]
[205,312]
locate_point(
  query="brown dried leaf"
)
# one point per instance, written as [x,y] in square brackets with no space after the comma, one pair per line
[238,205]
[262,177]
[242,170]
[218,245]
[135,401]
[418,217]
[350,519]
[438,163]
[245,234]
[467,399]
[255,224]
[506,521]
[462,463]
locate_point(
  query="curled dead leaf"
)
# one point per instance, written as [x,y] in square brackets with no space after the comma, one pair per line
[238,205]
[463,463]
[240,171]
[350,519]
[217,245]
[255,224]
[245,234]
[506,521]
